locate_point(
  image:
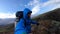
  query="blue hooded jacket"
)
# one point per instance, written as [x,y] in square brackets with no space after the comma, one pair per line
[20,27]
[28,20]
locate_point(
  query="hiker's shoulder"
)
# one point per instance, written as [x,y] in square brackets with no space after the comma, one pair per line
[21,19]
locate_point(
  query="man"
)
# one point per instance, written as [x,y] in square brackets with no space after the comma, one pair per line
[27,18]
[24,25]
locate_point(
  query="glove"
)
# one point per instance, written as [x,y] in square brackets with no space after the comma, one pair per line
[37,24]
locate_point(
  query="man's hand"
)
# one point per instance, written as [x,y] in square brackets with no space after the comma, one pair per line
[37,24]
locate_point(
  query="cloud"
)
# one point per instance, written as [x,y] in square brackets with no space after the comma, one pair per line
[51,2]
[37,5]
[35,9]
[33,2]
[6,15]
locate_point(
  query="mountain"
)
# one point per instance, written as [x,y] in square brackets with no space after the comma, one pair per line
[54,15]
[6,21]
[49,21]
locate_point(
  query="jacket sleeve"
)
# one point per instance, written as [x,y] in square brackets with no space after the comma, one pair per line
[33,22]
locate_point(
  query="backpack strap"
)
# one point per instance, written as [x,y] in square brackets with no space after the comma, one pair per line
[24,22]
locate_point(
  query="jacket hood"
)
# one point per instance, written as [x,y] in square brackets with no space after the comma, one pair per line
[25,13]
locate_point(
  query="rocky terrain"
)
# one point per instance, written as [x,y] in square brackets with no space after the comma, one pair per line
[49,23]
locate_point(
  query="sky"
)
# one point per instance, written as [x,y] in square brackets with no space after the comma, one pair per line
[8,8]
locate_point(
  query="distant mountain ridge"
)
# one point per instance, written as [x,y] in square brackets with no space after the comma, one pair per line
[7,21]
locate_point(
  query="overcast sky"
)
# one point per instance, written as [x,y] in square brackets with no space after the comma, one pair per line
[8,8]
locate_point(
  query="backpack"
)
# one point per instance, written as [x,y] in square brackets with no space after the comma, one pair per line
[19,15]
